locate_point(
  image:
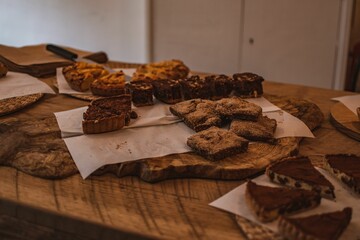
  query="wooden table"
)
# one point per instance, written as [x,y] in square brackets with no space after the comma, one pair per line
[107,207]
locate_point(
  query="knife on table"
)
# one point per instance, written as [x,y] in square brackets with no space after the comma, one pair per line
[75,58]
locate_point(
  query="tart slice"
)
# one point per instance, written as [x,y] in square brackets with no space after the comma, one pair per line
[326,226]
[346,167]
[268,203]
[109,85]
[106,114]
[298,172]
[216,143]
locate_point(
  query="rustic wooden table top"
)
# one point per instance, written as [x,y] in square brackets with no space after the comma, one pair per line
[107,207]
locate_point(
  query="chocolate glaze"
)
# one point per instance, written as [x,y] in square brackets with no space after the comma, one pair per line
[300,168]
[327,226]
[271,198]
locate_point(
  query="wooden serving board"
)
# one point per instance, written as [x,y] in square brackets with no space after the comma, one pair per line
[34,146]
[345,121]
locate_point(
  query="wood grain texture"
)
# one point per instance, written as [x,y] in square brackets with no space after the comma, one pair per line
[34,146]
[345,121]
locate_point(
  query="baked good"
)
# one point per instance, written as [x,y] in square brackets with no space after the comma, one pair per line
[221,86]
[247,84]
[196,87]
[3,70]
[261,130]
[141,93]
[358,112]
[326,226]
[80,75]
[237,108]
[168,69]
[298,172]
[198,114]
[268,203]
[216,143]
[106,114]
[346,167]
[109,85]
[168,91]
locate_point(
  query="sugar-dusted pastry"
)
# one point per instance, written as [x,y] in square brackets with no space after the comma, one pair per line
[237,108]
[261,130]
[216,143]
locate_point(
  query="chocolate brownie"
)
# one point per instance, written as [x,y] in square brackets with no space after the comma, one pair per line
[261,130]
[221,86]
[196,87]
[198,114]
[141,93]
[237,108]
[298,172]
[247,84]
[168,91]
[345,167]
[326,226]
[268,203]
[216,143]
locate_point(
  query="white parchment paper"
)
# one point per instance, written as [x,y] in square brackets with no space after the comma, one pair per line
[20,84]
[351,102]
[155,133]
[234,202]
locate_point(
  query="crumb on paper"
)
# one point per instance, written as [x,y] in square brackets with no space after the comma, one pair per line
[120,145]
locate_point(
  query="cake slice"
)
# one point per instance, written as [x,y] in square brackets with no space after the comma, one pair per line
[198,114]
[237,108]
[298,172]
[141,93]
[106,114]
[326,226]
[261,130]
[167,91]
[216,143]
[221,86]
[268,203]
[346,167]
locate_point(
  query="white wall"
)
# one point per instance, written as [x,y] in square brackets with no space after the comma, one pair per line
[118,27]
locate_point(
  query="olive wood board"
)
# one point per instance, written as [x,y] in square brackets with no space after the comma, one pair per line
[34,146]
[345,121]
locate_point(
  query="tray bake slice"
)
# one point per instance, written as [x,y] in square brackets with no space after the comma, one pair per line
[326,226]
[237,108]
[198,114]
[106,114]
[346,168]
[261,130]
[268,203]
[216,143]
[298,172]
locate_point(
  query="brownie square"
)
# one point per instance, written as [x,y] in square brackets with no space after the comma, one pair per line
[247,84]
[261,130]
[198,114]
[168,91]
[237,108]
[216,143]
[196,87]
[141,93]
[221,86]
